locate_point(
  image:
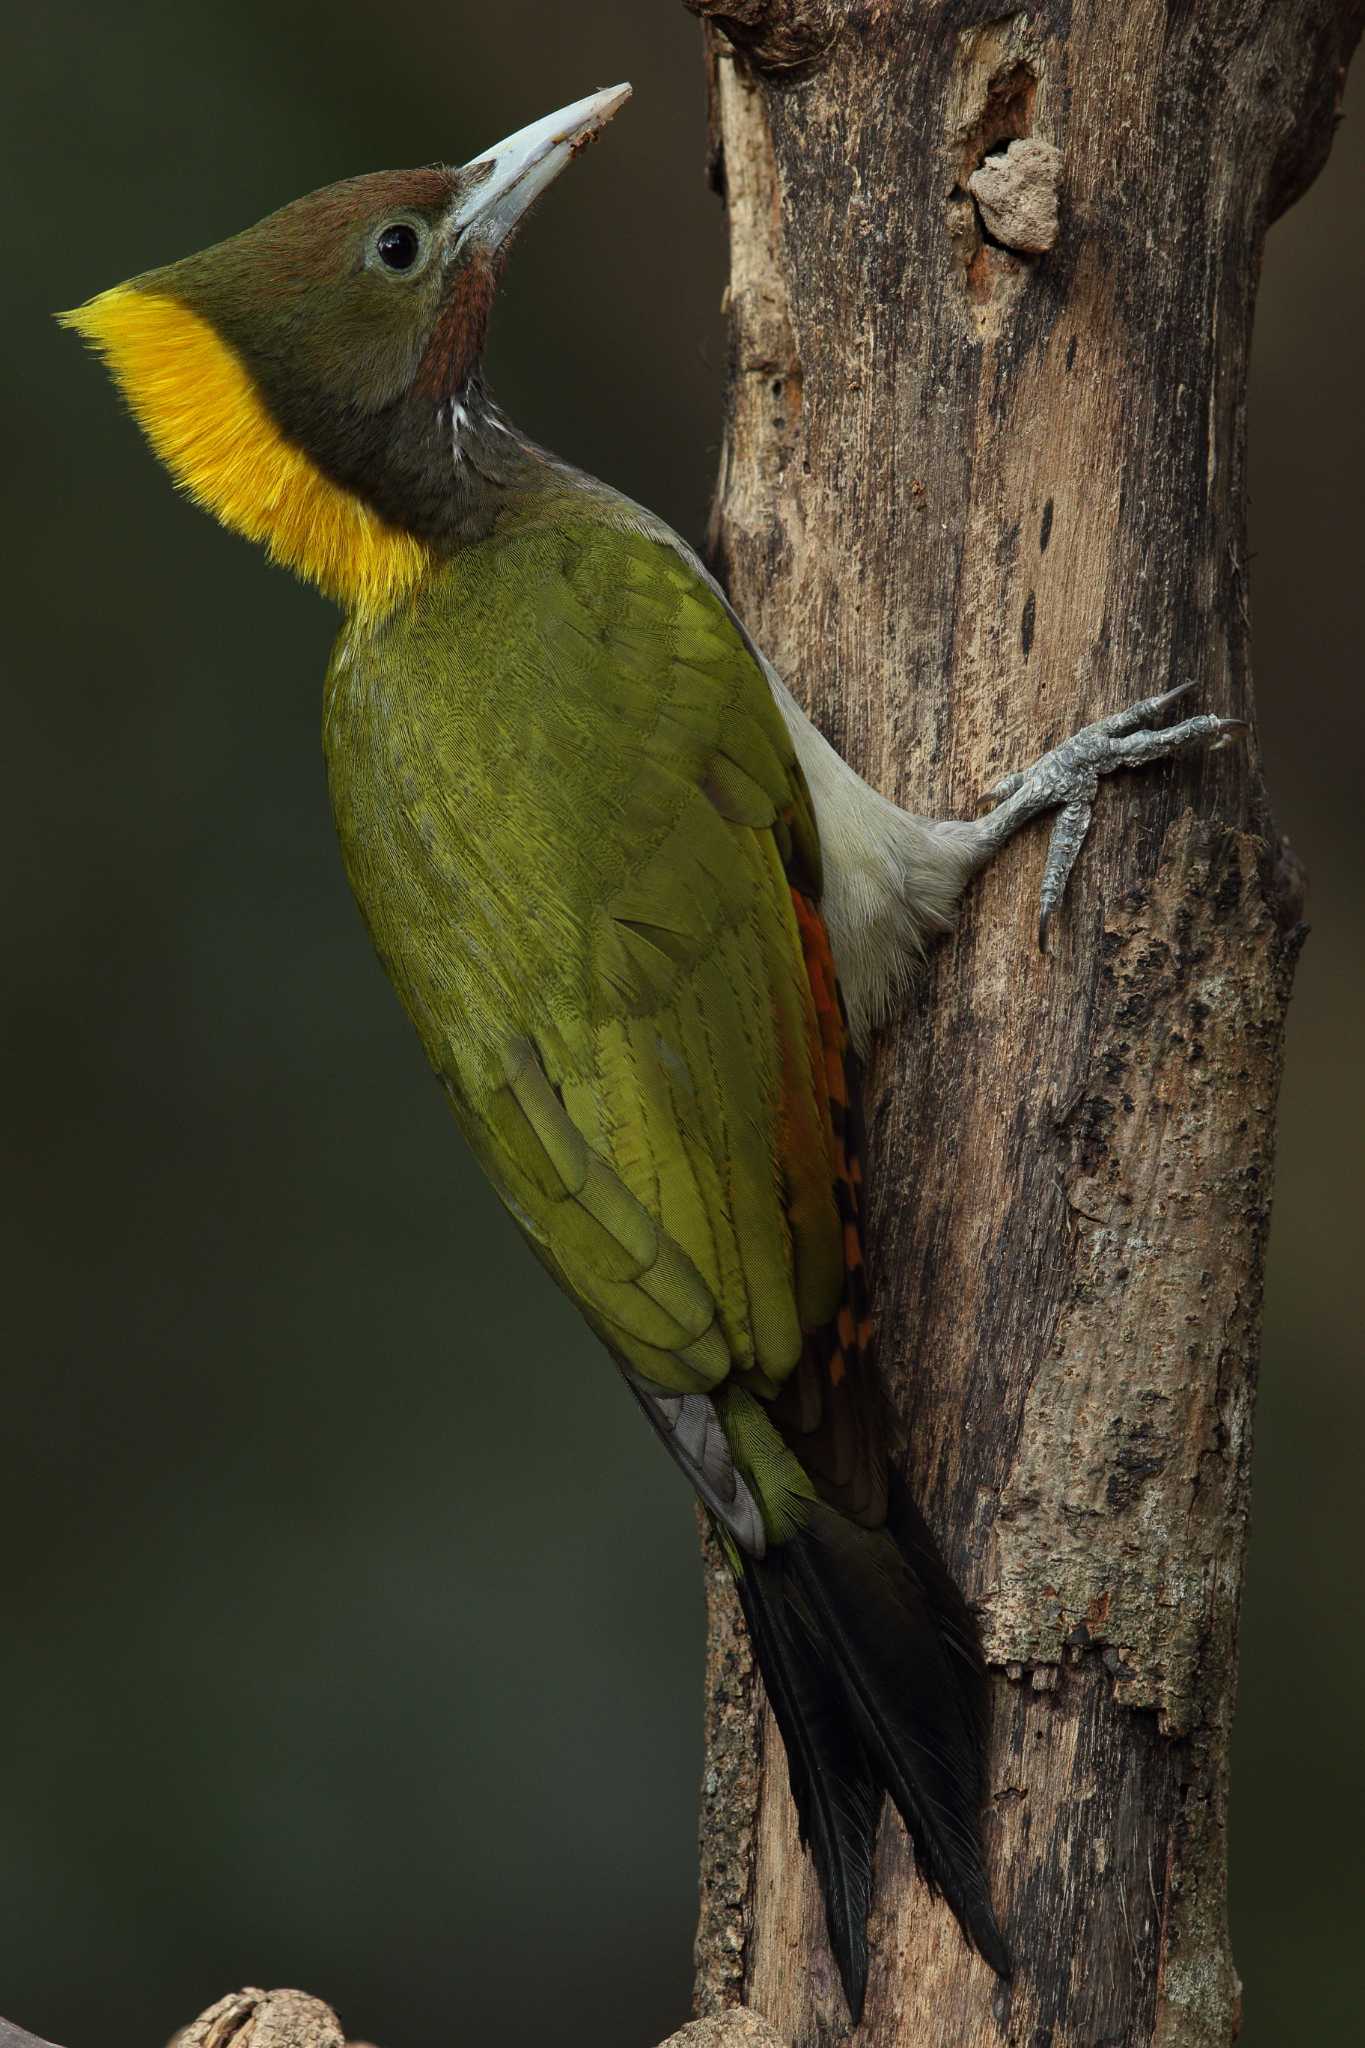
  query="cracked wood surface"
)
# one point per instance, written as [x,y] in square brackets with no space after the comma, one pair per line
[971,498]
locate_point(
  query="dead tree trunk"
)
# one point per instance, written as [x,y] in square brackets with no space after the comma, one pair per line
[983,480]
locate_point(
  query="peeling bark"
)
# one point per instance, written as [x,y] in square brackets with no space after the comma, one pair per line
[971,497]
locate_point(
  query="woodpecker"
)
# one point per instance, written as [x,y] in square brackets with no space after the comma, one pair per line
[640,913]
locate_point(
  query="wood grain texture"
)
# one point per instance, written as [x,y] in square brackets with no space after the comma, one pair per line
[970,499]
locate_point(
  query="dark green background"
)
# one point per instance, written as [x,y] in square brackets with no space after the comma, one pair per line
[352,1624]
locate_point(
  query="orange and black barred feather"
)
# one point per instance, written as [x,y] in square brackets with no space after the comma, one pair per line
[829,1410]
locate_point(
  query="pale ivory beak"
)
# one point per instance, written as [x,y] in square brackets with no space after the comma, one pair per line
[518,170]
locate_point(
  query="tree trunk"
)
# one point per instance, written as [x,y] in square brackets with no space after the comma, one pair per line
[984,480]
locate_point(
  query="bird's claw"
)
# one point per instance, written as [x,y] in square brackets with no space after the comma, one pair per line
[1067,777]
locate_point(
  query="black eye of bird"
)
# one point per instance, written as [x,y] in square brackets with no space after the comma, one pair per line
[397,246]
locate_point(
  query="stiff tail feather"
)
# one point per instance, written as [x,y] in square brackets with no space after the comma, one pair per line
[835,1786]
[870,1659]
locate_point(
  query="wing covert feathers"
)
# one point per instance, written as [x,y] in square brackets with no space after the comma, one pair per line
[638,1121]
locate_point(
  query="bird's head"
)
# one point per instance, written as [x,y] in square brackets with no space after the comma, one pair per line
[304,380]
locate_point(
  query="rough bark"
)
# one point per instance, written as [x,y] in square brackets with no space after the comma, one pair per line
[972,497]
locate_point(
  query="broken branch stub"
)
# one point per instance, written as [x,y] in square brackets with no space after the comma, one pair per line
[775,35]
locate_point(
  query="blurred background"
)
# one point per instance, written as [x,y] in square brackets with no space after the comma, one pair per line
[352,1623]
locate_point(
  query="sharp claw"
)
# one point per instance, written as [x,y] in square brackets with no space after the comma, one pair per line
[1120,723]
[1044,920]
[1230,731]
[1116,723]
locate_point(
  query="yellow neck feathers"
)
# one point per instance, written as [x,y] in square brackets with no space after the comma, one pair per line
[197,405]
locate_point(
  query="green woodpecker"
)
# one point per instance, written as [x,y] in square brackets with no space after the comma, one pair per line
[641,915]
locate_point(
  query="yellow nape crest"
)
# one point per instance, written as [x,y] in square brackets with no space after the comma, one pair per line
[196,403]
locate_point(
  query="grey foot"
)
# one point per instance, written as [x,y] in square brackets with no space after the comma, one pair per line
[1066,780]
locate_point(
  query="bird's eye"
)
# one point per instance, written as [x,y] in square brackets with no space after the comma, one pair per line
[397,246]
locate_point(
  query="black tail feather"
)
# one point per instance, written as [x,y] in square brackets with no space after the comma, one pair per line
[873,1669]
[906,1692]
[956,1623]
[835,1787]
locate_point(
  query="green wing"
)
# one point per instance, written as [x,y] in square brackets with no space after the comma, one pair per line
[619,1005]
[659,1142]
